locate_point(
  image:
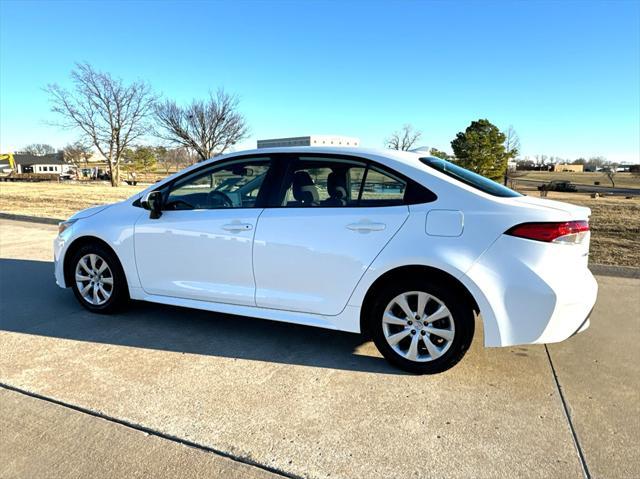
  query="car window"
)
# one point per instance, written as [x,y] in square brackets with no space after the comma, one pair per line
[469,177]
[319,182]
[233,185]
[381,189]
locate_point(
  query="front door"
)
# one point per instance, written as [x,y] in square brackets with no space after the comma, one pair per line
[332,221]
[201,246]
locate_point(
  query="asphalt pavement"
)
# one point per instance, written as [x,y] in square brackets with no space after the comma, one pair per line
[209,391]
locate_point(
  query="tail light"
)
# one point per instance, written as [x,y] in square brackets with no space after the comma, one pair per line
[567,232]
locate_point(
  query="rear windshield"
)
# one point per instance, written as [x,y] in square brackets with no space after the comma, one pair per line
[469,177]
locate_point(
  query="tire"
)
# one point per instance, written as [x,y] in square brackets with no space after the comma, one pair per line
[99,283]
[429,353]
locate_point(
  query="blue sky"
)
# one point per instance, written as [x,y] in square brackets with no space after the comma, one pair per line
[565,74]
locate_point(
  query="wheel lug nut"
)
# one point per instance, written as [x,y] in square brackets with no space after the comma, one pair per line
[413,331]
[423,332]
[409,323]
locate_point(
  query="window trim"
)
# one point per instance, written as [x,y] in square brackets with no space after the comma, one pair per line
[279,164]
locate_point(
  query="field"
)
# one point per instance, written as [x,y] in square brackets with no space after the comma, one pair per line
[622,180]
[59,200]
[615,227]
[615,221]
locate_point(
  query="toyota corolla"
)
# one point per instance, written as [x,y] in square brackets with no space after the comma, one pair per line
[405,248]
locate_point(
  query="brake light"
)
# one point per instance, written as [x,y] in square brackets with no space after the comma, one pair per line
[568,232]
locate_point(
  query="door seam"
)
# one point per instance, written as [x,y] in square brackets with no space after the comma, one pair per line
[253,258]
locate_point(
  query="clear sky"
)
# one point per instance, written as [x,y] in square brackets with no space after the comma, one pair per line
[565,74]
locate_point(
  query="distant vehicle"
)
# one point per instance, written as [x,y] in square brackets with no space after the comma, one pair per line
[404,247]
[558,185]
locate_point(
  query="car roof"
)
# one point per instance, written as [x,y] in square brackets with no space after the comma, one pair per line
[392,158]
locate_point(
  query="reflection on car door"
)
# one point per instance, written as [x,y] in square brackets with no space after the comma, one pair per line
[201,246]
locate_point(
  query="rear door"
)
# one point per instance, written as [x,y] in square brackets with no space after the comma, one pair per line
[331,219]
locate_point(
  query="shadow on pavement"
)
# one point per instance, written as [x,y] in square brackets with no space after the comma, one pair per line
[31,303]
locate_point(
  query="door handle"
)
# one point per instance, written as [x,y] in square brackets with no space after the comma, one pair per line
[365,227]
[235,227]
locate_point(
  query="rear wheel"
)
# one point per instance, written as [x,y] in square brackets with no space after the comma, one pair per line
[421,327]
[99,283]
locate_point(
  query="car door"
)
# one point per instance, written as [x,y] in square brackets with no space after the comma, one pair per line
[333,217]
[201,246]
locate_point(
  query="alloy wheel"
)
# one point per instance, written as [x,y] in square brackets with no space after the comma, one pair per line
[418,326]
[94,279]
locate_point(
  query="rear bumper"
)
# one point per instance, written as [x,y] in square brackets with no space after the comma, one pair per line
[533,292]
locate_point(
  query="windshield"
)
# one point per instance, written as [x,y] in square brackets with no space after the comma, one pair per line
[469,177]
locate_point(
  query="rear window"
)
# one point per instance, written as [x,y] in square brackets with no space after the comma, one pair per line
[469,177]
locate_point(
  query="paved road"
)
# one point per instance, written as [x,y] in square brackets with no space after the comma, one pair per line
[316,403]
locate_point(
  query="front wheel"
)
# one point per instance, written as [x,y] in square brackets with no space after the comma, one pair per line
[99,283]
[421,327]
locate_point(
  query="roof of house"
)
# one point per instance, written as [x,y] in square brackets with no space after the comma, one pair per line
[27,159]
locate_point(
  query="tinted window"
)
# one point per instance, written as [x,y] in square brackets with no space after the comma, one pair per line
[234,185]
[335,182]
[469,177]
[381,189]
[328,183]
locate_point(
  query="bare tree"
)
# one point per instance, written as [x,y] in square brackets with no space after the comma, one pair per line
[77,153]
[111,114]
[208,127]
[512,142]
[39,149]
[611,170]
[404,139]
[175,159]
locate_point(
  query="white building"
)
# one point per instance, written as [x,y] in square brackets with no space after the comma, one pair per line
[311,140]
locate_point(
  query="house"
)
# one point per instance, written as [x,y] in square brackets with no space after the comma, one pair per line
[569,168]
[50,164]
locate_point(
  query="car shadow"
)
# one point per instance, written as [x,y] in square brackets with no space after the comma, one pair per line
[31,303]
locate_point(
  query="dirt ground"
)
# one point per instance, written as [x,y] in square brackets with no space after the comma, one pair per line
[615,221]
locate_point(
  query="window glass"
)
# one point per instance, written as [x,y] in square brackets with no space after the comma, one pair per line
[469,177]
[234,185]
[327,183]
[381,189]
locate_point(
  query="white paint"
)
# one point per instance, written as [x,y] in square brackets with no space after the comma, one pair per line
[310,268]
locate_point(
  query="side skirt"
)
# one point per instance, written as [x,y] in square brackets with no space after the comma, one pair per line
[348,320]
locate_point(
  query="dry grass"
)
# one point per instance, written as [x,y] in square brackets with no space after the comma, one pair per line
[615,221]
[59,200]
[622,180]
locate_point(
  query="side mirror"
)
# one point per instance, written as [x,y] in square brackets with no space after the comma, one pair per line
[152,201]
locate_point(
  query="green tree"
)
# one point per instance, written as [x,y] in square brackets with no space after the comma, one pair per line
[480,148]
[438,154]
[142,158]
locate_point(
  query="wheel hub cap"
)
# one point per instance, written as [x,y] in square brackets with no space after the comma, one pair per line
[94,279]
[418,326]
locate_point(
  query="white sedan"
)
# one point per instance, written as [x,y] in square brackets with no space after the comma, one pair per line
[397,245]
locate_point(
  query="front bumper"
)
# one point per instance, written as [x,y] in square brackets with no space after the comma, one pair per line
[59,247]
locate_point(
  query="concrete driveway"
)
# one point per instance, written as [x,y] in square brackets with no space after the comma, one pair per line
[312,403]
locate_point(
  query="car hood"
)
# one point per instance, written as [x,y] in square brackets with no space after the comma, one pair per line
[576,212]
[89,212]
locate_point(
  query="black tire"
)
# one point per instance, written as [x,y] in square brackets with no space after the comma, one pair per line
[461,314]
[119,295]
